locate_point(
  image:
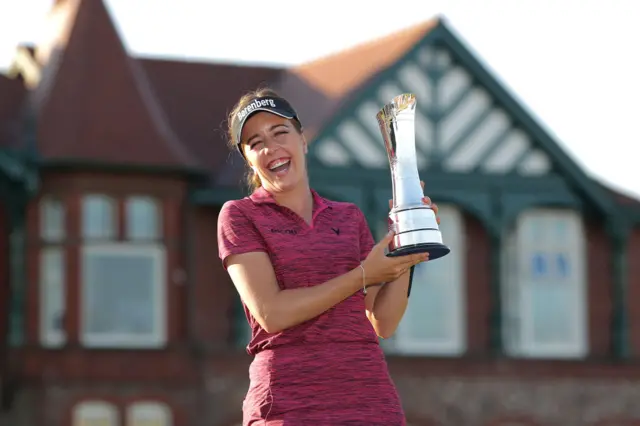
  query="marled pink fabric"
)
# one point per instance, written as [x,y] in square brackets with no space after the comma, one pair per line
[329,370]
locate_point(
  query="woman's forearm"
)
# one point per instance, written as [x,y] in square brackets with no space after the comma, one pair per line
[276,309]
[294,306]
[389,306]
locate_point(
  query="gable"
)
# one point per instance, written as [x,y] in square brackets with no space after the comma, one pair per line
[466,122]
[459,125]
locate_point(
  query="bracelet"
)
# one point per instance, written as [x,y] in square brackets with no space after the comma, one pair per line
[364,287]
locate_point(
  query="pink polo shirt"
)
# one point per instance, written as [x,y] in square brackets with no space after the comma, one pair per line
[328,370]
[302,256]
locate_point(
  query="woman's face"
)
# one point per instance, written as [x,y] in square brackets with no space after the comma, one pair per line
[275,151]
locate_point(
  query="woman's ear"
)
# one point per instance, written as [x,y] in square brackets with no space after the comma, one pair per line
[305,145]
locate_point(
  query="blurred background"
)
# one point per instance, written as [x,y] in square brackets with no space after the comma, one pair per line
[114,308]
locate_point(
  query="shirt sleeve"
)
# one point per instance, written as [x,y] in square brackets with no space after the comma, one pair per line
[237,234]
[366,238]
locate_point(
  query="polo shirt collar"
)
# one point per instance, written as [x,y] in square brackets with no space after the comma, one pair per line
[262,196]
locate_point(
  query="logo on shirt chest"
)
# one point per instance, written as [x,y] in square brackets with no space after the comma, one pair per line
[283,231]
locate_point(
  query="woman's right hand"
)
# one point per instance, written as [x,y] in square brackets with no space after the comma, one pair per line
[379,268]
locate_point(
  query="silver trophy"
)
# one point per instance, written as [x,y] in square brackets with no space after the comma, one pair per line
[415,224]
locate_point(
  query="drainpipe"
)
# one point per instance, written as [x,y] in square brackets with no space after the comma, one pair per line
[15,303]
[495,226]
[620,233]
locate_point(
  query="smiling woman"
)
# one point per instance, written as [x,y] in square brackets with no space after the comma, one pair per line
[284,121]
[310,277]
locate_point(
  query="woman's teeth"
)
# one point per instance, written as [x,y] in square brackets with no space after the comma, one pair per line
[279,165]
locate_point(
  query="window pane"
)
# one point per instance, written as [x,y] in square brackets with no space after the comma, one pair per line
[98,217]
[143,221]
[434,320]
[149,414]
[123,295]
[428,318]
[95,414]
[550,274]
[551,305]
[52,227]
[52,297]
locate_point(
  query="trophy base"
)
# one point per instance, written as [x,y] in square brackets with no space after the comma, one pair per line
[435,250]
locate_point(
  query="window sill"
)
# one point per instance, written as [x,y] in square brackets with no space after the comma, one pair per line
[128,344]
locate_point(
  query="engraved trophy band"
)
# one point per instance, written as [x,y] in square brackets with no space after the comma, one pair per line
[415,224]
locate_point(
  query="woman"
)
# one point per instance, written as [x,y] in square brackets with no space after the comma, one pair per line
[309,275]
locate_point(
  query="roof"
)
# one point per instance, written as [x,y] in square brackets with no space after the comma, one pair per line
[339,74]
[197,98]
[94,102]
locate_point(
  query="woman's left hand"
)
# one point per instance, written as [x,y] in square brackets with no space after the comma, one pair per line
[426,201]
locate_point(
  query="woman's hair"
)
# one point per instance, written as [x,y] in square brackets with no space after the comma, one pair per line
[253,180]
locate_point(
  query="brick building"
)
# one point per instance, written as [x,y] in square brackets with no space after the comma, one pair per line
[116,311]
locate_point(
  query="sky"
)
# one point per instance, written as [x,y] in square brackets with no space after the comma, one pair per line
[570,62]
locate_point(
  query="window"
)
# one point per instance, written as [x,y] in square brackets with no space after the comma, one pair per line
[149,414]
[544,286]
[123,281]
[52,219]
[101,413]
[98,217]
[52,273]
[95,413]
[143,219]
[434,321]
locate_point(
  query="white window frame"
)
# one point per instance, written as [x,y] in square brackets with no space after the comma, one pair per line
[518,322]
[88,412]
[456,344]
[159,337]
[52,286]
[146,409]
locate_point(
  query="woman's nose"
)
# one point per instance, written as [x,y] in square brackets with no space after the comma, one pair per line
[271,144]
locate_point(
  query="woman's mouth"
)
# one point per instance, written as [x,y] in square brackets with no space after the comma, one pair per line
[280,166]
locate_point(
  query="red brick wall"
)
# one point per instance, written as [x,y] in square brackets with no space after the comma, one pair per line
[214,291]
[478,289]
[600,289]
